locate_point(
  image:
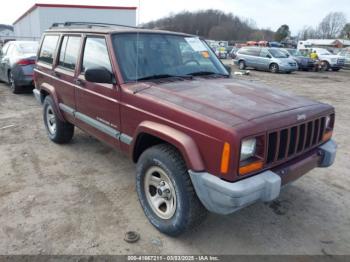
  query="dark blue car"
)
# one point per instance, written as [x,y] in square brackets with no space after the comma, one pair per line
[304,63]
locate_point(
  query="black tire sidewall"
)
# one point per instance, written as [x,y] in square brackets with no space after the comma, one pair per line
[271,68]
[241,65]
[178,223]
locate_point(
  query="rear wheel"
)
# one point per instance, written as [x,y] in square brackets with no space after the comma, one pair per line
[58,131]
[327,65]
[165,191]
[274,68]
[15,89]
[241,65]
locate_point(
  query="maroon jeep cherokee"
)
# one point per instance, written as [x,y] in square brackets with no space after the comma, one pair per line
[201,139]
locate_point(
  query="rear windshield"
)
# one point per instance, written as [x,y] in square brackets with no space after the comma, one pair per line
[28,48]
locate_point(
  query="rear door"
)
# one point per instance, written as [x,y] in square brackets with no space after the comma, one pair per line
[65,72]
[97,104]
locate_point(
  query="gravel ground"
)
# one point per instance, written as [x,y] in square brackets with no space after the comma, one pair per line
[80,198]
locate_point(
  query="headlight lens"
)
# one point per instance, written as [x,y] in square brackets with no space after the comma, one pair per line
[328,122]
[248,148]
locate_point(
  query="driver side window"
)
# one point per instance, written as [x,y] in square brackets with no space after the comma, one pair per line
[96,54]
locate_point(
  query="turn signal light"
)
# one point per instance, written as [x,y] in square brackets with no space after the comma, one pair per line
[225,158]
[251,167]
[327,136]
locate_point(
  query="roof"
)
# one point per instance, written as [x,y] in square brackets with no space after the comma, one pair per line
[324,41]
[35,6]
[6,27]
[111,29]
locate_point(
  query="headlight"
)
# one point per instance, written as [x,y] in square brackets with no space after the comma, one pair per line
[328,122]
[248,148]
[333,60]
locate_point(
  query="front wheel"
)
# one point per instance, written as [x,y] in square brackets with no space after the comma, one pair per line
[165,191]
[274,68]
[58,131]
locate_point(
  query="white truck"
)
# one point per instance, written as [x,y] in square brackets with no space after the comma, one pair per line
[334,62]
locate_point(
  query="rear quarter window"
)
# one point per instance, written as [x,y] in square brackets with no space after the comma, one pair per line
[48,48]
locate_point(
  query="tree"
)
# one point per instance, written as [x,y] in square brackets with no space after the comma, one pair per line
[213,24]
[346,31]
[332,25]
[308,33]
[282,32]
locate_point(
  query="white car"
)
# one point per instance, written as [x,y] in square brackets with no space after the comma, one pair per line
[334,62]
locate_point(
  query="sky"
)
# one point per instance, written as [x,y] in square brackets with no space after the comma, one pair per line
[266,13]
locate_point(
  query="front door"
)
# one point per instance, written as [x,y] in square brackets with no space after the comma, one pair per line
[97,104]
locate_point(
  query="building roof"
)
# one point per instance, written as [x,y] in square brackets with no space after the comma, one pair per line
[329,42]
[35,6]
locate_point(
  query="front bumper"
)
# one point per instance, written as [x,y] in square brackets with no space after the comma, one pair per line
[287,68]
[223,197]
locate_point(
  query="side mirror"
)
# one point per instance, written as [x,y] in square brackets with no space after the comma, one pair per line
[99,75]
[287,55]
[228,68]
[268,56]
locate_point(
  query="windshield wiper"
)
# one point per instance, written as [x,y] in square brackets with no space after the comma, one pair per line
[205,73]
[160,76]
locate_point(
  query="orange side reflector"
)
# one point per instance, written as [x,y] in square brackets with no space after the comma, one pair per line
[327,136]
[251,167]
[225,158]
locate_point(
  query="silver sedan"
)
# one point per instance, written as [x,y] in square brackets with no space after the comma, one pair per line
[17,61]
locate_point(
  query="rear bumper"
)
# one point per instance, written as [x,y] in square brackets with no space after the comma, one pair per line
[224,197]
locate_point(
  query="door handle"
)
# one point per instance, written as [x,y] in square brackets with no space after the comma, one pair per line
[56,74]
[79,82]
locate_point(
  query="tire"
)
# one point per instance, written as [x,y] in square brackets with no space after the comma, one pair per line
[15,89]
[241,65]
[58,131]
[328,66]
[274,68]
[165,191]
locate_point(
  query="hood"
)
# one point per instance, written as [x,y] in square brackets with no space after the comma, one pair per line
[330,56]
[226,100]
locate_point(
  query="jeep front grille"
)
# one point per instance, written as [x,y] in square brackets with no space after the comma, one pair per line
[288,142]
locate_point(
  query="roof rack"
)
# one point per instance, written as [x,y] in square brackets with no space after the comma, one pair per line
[89,25]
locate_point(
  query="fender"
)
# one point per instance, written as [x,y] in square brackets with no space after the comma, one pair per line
[52,92]
[180,140]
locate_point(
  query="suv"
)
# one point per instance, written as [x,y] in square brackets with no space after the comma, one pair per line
[265,58]
[201,140]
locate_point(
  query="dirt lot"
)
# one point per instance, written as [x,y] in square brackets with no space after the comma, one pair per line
[80,198]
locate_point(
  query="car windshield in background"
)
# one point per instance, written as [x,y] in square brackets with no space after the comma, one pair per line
[149,56]
[324,52]
[277,53]
[28,48]
[294,52]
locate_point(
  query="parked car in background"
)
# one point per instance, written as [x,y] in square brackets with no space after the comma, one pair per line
[334,62]
[233,52]
[346,55]
[221,52]
[304,63]
[17,61]
[265,58]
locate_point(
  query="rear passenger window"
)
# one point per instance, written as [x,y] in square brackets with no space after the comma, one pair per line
[69,52]
[48,48]
[96,54]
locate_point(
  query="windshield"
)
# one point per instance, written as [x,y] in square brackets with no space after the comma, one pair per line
[28,48]
[164,55]
[323,52]
[277,53]
[294,52]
